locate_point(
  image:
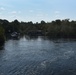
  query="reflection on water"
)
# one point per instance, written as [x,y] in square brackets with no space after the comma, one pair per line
[38,56]
[31,37]
[2,46]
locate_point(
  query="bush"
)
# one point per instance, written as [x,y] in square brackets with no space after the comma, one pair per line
[2,36]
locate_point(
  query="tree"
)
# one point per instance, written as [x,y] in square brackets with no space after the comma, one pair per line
[16,26]
[2,36]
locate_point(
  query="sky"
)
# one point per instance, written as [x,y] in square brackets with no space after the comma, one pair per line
[37,10]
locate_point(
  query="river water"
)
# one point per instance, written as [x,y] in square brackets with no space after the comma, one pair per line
[38,56]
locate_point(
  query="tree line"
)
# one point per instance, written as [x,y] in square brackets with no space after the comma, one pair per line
[54,29]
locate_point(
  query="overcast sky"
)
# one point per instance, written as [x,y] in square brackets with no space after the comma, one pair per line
[37,10]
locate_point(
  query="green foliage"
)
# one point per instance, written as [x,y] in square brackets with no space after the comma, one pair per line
[57,28]
[2,36]
[15,26]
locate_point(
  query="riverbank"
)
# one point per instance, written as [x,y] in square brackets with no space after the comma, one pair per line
[54,29]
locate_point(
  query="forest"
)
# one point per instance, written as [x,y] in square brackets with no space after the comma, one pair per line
[54,29]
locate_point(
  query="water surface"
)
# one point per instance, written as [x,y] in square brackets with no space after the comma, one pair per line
[38,56]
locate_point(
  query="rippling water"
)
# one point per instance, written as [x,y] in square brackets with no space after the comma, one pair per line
[38,56]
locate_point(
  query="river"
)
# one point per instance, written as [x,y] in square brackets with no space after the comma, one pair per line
[38,56]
